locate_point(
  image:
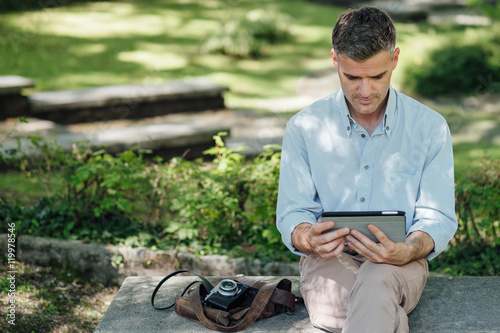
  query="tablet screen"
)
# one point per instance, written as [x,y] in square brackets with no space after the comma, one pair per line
[392,223]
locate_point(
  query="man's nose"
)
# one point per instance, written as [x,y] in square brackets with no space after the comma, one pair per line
[365,89]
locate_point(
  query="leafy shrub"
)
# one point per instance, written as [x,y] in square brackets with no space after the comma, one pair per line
[233,38]
[491,8]
[50,217]
[454,69]
[223,206]
[244,37]
[475,247]
[228,205]
[268,25]
[96,200]
[478,204]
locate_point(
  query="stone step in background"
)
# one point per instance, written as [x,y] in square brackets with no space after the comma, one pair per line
[126,101]
[170,118]
[12,101]
[161,138]
[168,136]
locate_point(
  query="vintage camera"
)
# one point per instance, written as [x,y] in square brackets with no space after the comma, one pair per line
[229,294]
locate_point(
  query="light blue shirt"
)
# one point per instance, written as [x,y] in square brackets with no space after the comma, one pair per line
[330,163]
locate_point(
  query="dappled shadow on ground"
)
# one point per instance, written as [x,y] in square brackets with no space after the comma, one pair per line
[114,43]
[54,300]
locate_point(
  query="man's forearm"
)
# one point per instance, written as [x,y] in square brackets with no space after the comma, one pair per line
[420,245]
[300,239]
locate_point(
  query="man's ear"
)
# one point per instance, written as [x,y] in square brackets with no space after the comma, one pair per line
[335,59]
[395,58]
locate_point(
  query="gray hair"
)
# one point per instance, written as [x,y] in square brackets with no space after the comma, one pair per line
[362,33]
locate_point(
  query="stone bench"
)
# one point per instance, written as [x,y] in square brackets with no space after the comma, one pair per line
[12,102]
[126,101]
[448,304]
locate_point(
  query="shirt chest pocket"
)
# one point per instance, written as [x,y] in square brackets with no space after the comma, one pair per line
[401,174]
[404,164]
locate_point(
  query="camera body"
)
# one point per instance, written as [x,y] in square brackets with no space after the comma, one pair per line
[228,294]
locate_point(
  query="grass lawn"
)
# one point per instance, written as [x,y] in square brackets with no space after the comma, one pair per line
[101,43]
[134,42]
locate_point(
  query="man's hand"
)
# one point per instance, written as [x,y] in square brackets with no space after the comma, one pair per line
[418,245]
[309,239]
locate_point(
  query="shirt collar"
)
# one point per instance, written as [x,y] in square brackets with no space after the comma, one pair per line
[390,110]
[344,112]
[348,122]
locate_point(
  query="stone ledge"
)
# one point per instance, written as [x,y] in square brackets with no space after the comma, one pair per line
[126,101]
[13,84]
[93,261]
[12,102]
[448,304]
[167,139]
[126,94]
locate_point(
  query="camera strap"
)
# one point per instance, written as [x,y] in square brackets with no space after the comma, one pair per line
[251,314]
[272,298]
[203,281]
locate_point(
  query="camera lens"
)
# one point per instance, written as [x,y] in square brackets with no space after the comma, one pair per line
[228,288]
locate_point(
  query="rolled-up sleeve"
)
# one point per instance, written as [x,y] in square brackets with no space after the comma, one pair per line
[297,197]
[435,205]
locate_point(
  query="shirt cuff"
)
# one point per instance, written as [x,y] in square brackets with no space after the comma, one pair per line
[440,241]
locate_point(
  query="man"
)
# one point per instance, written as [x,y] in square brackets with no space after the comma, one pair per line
[366,147]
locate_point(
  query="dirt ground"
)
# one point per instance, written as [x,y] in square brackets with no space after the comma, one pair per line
[52,300]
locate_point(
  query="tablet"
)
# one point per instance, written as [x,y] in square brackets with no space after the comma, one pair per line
[391,222]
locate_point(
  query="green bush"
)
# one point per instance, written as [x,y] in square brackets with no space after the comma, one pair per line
[97,197]
[476,245]
[244,37]
[267,25]
[233,38]
[228,205]
[225,206]
[490,8]
[454,69]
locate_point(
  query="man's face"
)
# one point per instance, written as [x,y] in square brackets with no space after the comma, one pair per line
[365,84]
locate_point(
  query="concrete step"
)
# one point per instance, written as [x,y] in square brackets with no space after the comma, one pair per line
[126,101]
[448,304]
[12,102]
[14,84]
[166,139]
[169,135]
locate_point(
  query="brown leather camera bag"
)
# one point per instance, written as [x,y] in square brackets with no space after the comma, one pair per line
[271,299]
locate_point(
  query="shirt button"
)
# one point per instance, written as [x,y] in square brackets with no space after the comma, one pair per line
[387,127]
[366,167]
[363,136]
[362,199]
[348,128]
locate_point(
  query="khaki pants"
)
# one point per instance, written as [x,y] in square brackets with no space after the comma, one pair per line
[352,295]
